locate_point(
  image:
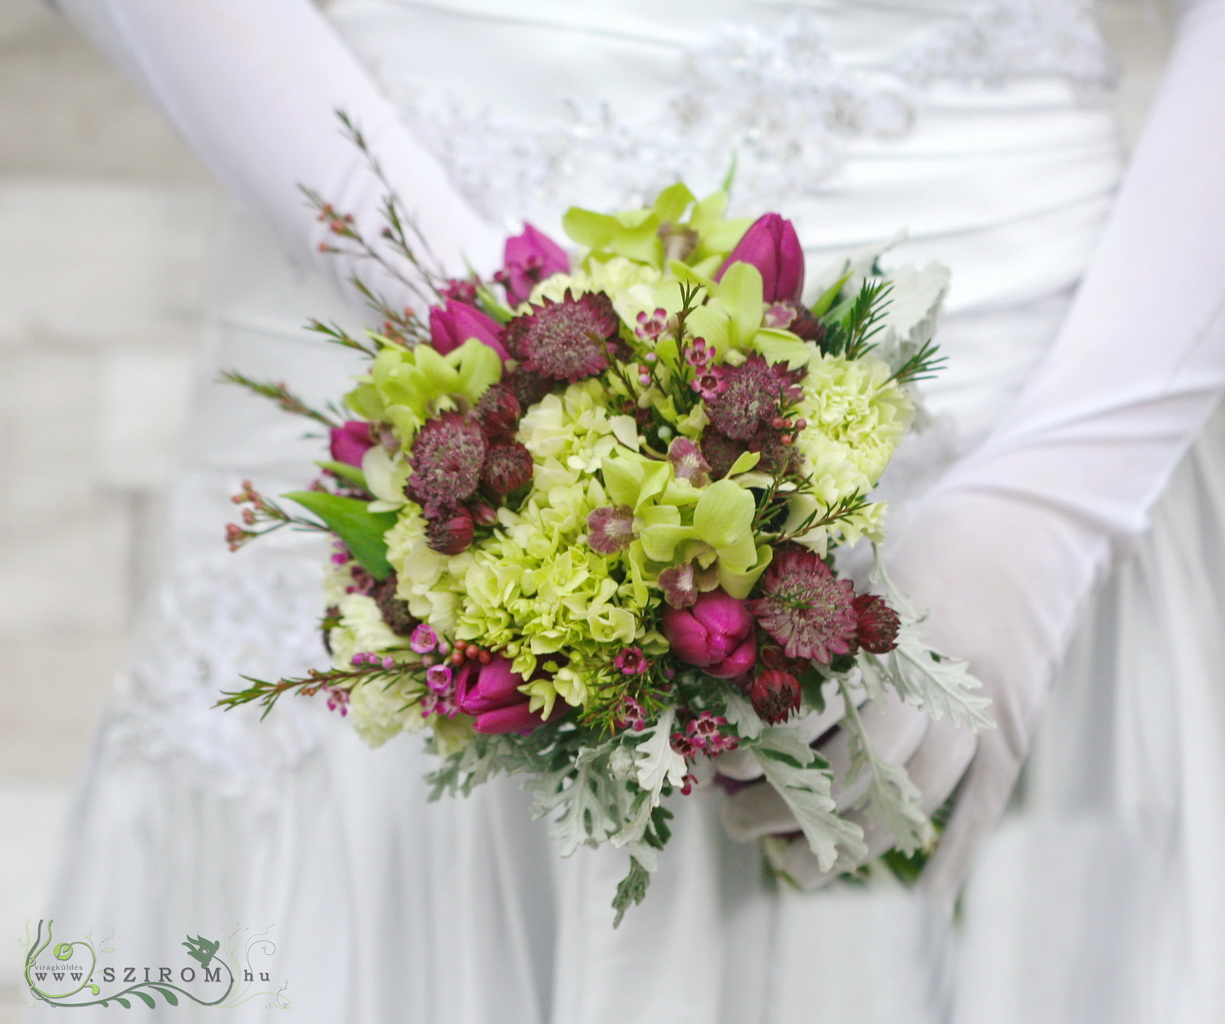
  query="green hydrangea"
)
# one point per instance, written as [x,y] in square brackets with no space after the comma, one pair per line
[536,588]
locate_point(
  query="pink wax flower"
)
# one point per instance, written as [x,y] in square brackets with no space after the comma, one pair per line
[717,634]
[351,442]
[530,258]
[771,245]
[490,694]
[454,324]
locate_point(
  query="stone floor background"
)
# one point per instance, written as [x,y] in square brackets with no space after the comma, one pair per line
[104,224]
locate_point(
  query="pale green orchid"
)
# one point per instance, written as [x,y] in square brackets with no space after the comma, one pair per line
[408,386]
[638,234]
[720,534]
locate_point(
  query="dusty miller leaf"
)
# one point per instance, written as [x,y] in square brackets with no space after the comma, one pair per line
[803,780]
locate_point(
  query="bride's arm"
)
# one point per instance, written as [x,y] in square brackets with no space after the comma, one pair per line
[1007,547]
[253,86]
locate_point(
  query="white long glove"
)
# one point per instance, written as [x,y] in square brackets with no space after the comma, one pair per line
[1006,548]
[253,87]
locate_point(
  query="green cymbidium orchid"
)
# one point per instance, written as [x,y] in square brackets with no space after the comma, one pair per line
[407,386]
[707,237]
[720,533]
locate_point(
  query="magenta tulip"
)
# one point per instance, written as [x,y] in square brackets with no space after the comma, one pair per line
[717,634]
[452,326]
[490,694]
[530,258]
[771,245]
[351,442]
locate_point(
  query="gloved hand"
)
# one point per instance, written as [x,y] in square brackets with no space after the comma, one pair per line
[1005,549]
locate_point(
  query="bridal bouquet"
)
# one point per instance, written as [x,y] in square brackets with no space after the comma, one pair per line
[585,521]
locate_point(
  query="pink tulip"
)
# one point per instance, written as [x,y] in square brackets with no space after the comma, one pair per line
[457,322]
[530,258]
[490,694]
[717,634]
[351,442]
[771,245]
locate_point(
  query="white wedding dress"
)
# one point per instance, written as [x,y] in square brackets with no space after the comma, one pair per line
[987,130]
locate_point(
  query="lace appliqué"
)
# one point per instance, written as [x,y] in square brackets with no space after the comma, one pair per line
[1001,42]
[779,104]
[210,624]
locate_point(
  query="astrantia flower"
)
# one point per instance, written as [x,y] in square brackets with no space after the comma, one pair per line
[804,607]
[528,388]
[720,451]
[876,624]
[775,695]
[451,533]
[752,397]
[498,412]
[610,529]
[566,340]
[447,456]
[395,611]
[508,466]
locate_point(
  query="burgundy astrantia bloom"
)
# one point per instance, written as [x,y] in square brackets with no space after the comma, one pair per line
[876,624]
[721,451]
[498,412]
[753,396]
[508,466]
[567,340]
[447,455]
[451,532]
[804,607]
[774,694]
[394,610]
[610,529]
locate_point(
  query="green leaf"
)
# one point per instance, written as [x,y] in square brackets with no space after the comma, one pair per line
[802,779]
[148,999]
[344,471]
[830,295]
[167,994]
[631,890]
[122,1002]
[744,462]
[362,531]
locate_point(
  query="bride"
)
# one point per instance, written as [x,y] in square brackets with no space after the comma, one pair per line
[1086,355]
